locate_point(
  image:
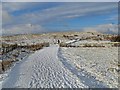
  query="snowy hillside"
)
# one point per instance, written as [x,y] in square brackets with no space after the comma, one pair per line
[99,63]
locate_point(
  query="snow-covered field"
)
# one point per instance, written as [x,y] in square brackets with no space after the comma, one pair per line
[65,68]
[62,67]
[99,63]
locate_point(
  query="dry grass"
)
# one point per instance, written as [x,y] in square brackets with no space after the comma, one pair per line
[5,65]
[116,45]
[1,68]
[37,46]
[113,38]
[63,44]
[93,45]
[83,45]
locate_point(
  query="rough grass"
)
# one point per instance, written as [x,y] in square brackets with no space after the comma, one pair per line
[111,44]
[5,65]
[83,45]
[113,38]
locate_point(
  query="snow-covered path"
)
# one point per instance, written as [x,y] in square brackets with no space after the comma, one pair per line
[43,69]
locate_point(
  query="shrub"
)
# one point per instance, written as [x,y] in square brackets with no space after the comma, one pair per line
[35,47]
[116,45]
[1,68]
[113,38]
[86,45]
[63,44]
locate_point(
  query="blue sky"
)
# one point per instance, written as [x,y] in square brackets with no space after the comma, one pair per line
[29,17]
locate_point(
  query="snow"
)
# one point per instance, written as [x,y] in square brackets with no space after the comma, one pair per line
[77,43]
[100,63]
[20,53]
[2,78]
[71,41]
[9,56]
[62,67]
[43,69]
[54,67]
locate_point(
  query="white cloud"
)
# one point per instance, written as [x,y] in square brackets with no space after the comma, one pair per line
[60,12]
[9,6]
[105,28]
[23,29]
[16,6]
[111,18]
[6,17]
[67,10]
